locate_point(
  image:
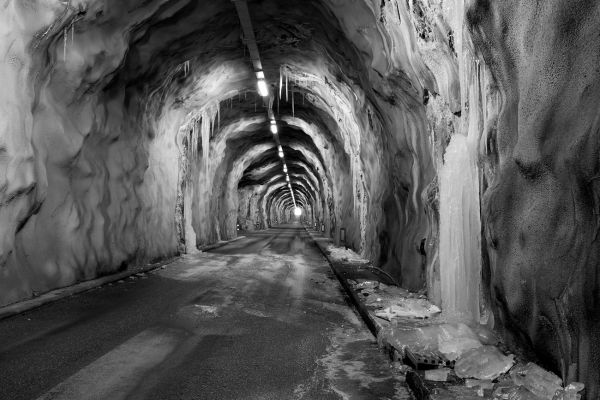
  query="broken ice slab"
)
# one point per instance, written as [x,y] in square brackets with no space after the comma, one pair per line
[456,339]
[513,393]
[437,375]
[537,380]
[366,284]
[486,362]
[409,308]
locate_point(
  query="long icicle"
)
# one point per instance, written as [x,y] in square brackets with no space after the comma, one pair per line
[65,36]
[280,81]
[293,105]
[286,87]
[205,138]
[194,144]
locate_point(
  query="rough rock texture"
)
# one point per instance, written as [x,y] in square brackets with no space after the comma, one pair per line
[131,130]
[542,205]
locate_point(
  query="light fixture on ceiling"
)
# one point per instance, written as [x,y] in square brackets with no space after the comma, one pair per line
[285,168]
[297,211]
[281,154]
[273,128]
[287,178]
[263,89]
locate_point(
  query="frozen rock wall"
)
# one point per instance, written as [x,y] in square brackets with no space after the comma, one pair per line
[541,206]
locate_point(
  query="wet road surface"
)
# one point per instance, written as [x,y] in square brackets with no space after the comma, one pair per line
[261,318]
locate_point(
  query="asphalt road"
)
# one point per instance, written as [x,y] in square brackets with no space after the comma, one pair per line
[261,318]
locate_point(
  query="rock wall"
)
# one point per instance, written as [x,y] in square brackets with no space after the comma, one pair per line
[541,207]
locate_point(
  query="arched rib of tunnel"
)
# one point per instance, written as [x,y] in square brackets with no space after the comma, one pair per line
[447,138]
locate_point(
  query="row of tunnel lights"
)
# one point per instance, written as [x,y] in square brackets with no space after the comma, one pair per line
[263,91]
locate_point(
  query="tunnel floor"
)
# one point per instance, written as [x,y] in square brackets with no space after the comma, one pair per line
[260,318]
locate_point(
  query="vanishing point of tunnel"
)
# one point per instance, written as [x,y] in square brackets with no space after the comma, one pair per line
[299,199]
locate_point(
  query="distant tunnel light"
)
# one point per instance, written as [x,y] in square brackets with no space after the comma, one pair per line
[297,211]
[263,90]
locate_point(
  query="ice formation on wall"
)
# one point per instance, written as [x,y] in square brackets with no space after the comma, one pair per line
[460,230]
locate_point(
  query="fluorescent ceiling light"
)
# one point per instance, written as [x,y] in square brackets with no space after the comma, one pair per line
[263,90]
[274,129]
[260,75]
[281,154]
[285,168]
[287,178]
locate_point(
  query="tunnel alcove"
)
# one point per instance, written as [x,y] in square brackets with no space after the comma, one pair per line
[454,141]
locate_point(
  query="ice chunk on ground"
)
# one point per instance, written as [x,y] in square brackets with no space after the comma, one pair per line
[437,375]
[340,254]
[411,308]
[537,380]
[455,340]
[486,362]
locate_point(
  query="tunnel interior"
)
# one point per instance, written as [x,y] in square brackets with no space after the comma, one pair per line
[455,142]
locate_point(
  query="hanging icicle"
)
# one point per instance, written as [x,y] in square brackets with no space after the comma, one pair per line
[286,88]
[218,115]
[280,81]
[72,33]
[65,36]
[186,68]
[194,141]
[205,128]
[293,105]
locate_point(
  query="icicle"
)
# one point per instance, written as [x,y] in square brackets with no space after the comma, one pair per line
[194,141]
[72,33]
[293,105]
[205,139]
[186,68]
[65,36]
[280,82]
[286,88]
[218,115]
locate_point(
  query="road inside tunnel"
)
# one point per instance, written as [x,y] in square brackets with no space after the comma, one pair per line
[260,318]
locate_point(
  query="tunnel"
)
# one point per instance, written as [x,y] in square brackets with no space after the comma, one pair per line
[449,144]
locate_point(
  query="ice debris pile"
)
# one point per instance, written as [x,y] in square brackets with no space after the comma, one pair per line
[445,348]
[344,255]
